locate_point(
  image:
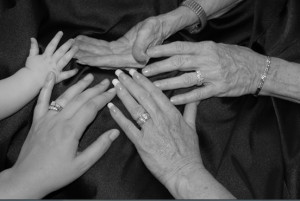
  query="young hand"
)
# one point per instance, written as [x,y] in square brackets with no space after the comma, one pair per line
[42,64]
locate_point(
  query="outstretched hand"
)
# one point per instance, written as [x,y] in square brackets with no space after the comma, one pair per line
[51,60]
[128,51]
[49,158]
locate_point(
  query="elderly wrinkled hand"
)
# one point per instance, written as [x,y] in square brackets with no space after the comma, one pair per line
[49,158]
[127,51]
[167,141]
[217,69]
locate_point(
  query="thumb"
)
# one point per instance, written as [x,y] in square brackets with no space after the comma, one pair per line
[34,48]
[97,149]
[190,112]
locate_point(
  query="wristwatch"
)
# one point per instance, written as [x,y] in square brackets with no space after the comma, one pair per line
[199,11]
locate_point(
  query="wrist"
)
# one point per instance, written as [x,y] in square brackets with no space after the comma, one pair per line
[33,77]
[179,184]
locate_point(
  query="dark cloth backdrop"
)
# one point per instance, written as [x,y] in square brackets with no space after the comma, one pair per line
[251,145]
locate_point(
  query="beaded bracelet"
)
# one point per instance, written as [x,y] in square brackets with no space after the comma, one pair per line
[263,76]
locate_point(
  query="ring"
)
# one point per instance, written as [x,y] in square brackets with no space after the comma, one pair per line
[200,78]
[55,107]
[143,118]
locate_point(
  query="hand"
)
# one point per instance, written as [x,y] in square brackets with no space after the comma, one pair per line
[127,51]
[167,142]
[49,158]
[227,70]
[51,61]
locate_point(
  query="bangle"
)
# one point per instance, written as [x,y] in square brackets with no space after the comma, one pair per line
[263,76]
[199,11]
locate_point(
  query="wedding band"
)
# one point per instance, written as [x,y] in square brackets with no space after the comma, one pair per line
[55,107]
[143,118]
[200,78]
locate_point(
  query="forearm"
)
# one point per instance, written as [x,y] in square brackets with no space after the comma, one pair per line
[197,183]
[16,91]
[283,80]
[182,17]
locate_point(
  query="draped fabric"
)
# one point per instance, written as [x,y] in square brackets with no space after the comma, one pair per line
[249,144]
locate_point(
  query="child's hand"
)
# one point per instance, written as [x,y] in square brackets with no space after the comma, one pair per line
[51,60]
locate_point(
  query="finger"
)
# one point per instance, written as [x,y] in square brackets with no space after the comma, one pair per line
[190,113]
[129,102]
[175,48]
[51,47]
[162,101]
[88,111]
[60,52]
[92,40]
[96,150]
[177,62]
[34,47]
[111,61]
[81,53]
[74,90]
[131,131]
[92,48]
[195,95]
[66,75]
[139,93]
[66,58]
[42,105]
[80,100]
[182,81]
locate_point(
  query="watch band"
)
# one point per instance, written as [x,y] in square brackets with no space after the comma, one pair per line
[199,11]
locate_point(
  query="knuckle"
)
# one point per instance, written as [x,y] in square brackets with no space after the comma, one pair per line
[92,105]
[129,127]
[179,61]
[144,96]
[179,46]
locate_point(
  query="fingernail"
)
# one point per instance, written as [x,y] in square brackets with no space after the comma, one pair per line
[81,62]
[88,77]
[112,91]
[157,84]
[112,107]
[50,76]
[132,71]
[114,135]
[115,82]
[145,71]
[118,72]
[105,81]
[173,99]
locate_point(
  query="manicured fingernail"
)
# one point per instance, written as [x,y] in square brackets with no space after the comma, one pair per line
[115,82]
[118,72]
[112,90]
[114,135]
[132,71]
[112,107]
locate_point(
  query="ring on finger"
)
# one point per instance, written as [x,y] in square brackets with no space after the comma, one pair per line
[143,118]
[55,107]
[200,78]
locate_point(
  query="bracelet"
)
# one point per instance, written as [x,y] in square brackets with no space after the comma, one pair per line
[263,76]
[199,11]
